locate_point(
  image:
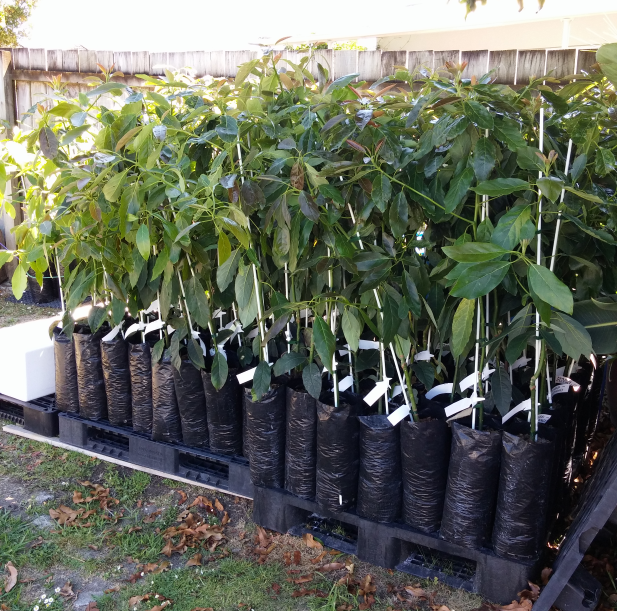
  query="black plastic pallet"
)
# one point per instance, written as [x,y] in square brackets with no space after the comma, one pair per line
[39,415]
[398,546]
[230,473]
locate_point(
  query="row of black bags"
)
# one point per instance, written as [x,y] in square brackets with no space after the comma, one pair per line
[116,381]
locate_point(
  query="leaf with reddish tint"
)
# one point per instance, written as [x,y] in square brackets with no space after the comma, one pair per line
[296,177]
[297,557]
[358,147]
[182,498]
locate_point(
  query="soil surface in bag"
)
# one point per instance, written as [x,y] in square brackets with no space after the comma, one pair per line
[523,496]
[301,442]
[67,395]
[380,485]
[165,415]
[115,358]
[140,370]
[224,409]
[471,493]
[265,424]
[338,454]
[90,380]
[191,405]
[425,454]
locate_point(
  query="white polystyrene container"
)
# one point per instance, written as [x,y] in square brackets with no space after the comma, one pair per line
[27,360]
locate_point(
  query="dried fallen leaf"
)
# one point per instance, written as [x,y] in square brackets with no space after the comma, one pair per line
[297,557]
[183,497]
[11,579]
[287,558]
[303,579]
[332,566]
[92,606]
[218,506]
[112,589]
[532,593]
[417,593]
[546,575]
[195,560]
[135,600]
[524,605]
[152,517]
[311,542]
[67,590]
[225,519]
[276,588]
[202,609]
[319,558]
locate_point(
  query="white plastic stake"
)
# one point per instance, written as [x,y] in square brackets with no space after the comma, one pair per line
[60,282]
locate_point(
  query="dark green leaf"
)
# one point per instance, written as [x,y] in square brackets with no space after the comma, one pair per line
[390,319]
[225,273]
[142,240]
[474,252]
[502,389]
[501,186]
[219,371]
[507,234]
[382,191]
[527,158]
[195,353]
[308,207]
[411,294]
[48,142]
[549,288]
[197,302]
[289,361]
[480,279]
[399,215]
[578,167]
[157,351]
[351,329]
[458,189]
[550,187]
[341,82]
[478,114]
[483,159]
[572,335]
[325,342]
[261,380]
[462,326]
[425,372]
[311,378]
[96,317]
[227,129]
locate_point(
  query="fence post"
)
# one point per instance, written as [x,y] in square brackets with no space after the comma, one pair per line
[7,113]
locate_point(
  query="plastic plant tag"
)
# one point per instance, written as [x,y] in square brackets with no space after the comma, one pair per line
[195,335]
[112,333]
[154,326]
[559,389]
[486,372]
[397,390]
[523,406]
[138,326]
[468,382]
[154,307]
[568,382]
[543,418]
[425,355]
[381,388]
[465,412]
[522,362]
[246,376]
[441,389]
[252,334]
[365,344]
[458,406]
[345,383]
[399,414]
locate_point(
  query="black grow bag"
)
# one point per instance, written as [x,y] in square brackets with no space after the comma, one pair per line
[115,359]
[67,396]
[49,291]
[90,380]
[425,454]
[523,496]
[301,443]
[224,409]
[265,425]
[191,405]
[380,484]
[471,493]
[165,415]
[338,454]
[140,371]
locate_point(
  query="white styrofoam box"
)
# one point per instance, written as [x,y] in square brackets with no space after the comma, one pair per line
[27,360]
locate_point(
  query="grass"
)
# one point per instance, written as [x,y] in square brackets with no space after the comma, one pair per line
[13,313]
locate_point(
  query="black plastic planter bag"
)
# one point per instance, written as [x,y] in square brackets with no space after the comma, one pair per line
[165,415]
[380,484]
[191,405]
[115,358]
[90,380]
[140,370]
[471,493]
[301,444]
[67,396]
[224,409]
[523,496]
[47,292]
[246,451]
[338,455]
[425,454]
[265,424]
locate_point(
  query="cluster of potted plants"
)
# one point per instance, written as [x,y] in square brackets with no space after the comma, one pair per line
[397,279]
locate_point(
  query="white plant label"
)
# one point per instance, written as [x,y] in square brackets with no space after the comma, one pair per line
[381,388]
[568,382]
[154,307]
[560,389]
[252,334]
[458,406]
[365,344]
[154,326]
[195,335]
[442,389]
[397,390]
[306,312]
[465,412]
[543,418]
[345,383]
[112,333]
[425,355]
[523,406]
[138,326]
[470,380]
[399,414]
[246,376]
[522,362]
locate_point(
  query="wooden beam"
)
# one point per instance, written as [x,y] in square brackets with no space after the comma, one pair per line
[42,76]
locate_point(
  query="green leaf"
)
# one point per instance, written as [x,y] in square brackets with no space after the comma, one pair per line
[308,207]
[243,71]
[366,260]
[550,187]
[311,378]
[480,279]
[341,82]
[276,328]
[289,361]
[527,158]
[411,294]
[483,158]
[600,321]
[157,351]
[462,326]
[478,114]
[219,371]
[142,240]
[106,88]
[19,281]
[73,134]
[458,189]
[225,273]
[390,322]
[113,188]
[507,234]
[578,167]
[160,263]
[48,142]
[605,162]
[325,342]
[197,302]
[227,129]
[549,288]
[195,354]
[351,329]
[501,186]
[382,191]
[399,215]
[96,317]
[502,389]
[261,380]
[474,252]
[572,335]
[599,234]
[64,109]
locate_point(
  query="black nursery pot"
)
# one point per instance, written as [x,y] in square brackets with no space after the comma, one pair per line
[165,415]
[90,380]
[224,410]
[115,361]
[265,426]
[140,372]
[523,496]
[338,454]
[301,442]
[471,492]
[380,484]
[191,405]
[425,455]
[67,395]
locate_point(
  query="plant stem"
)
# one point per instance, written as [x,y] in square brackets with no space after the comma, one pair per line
[532,388]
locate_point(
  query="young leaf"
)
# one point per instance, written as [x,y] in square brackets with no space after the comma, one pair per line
[19,282]
[462,325]
[224,247]
[351,329]
[219,371]
[311,378]
[325,342]
[143,241]
[549,288]
[261,380]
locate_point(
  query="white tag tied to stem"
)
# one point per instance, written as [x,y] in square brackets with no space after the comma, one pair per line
[523,406]
[522,362]
[195,335]
[543,418]
[134,328]
[469,381]
[568,382]
[110,336]
[252,334]
[425,355]
[441,389]
[248,375]
[465,412]
[155,325]
[559,389]
[399,414]
[365,344]
[345,383]
[154,307]
[466,403]
[380,389]
[397,390]
[344,351]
